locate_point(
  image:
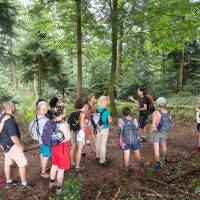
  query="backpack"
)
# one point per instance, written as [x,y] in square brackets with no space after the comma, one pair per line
[74,121]
[151,105]
[52,136]
[165,122]
[129,132]
[33,129]
[97,122]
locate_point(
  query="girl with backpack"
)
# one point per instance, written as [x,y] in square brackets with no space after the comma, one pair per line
[129,138]
[102,135]
[77,123]
[60,150]
[161,125]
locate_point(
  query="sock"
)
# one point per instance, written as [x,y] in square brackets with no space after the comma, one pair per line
[24,183]
[10,181]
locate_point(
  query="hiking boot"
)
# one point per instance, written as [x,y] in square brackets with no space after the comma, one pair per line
[104,164]
[126,169]
[165,160]
[141,164]
[44,175]
[28,186]
[2,182]
[60,191]
[11,184]
[156,165]
[73,167]
[80,169]
[52,184]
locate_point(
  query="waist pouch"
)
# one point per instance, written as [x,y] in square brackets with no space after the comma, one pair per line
[6,148]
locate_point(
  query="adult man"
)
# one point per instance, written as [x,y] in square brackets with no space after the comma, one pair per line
[13,149]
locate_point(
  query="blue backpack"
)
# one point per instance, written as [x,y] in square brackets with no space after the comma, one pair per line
[165,122]
[129,132]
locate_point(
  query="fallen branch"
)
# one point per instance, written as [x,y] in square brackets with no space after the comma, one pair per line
[175,177]
[98,195]
[117,193]
[156,193]
[174,187]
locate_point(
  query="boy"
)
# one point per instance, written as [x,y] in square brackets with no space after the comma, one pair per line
[160,128]
[129,138]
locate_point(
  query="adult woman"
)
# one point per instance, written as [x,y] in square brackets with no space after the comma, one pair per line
[102,136]
[60,151]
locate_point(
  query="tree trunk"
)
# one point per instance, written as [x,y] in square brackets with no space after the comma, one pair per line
[14,79]
[35,87]
[79,48]
[114,56]
[120,50]
[39,80]
[181,71]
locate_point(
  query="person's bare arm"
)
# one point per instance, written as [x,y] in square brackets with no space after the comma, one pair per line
[133,100]
[153,125]
[110,119]
[66,131]
[2,122]
[82,120]
[16,141]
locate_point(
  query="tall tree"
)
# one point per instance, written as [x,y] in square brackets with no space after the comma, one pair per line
[79,48]
[114,21]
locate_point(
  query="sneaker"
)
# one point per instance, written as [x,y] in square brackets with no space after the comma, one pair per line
[45,175]
[104,164]
[126,169]
[72,167]
[11,184]
[52,184]
[60,191]
[80,169]
[28,186]
[156,165]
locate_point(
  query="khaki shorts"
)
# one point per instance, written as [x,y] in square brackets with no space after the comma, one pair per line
[15,154]
[74,141]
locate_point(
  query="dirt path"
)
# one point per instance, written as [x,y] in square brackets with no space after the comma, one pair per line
[110,183]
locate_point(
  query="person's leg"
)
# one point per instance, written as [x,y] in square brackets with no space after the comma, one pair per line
[7,169]
[126,158]
[98,145]
[164,149]
[73,153]
[156,151]
[22,173]
[90,138]
[199,140]
[137,155]
[53,172]
[60,177]
[103,143]
[44,163]
[78,155]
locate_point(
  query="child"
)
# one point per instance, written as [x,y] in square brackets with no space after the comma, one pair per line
[161,125]
[60,151]
[198,126]
[129,137]
[77,122]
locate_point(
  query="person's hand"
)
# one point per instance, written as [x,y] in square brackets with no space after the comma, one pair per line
[21,147]
[5,118]
[131,98]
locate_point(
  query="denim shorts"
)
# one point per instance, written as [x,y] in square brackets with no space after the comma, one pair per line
[134,147]
[158,136]
[45,151]
[143,120]
[198,127]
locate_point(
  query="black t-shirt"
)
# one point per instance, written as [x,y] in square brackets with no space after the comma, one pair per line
[142,101]
[10,129]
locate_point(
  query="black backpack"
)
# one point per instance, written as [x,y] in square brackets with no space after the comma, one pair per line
[74,121]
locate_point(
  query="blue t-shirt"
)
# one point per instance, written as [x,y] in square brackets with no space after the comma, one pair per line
[105,116]
[10,129]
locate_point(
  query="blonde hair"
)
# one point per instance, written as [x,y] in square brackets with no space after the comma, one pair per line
[102,101]
[8,105]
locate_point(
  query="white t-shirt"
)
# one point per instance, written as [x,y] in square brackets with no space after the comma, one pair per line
[198,117]
[41,122]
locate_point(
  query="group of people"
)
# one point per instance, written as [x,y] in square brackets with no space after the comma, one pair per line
[62,140]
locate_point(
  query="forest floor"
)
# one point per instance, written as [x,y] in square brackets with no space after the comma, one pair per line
[173,181]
